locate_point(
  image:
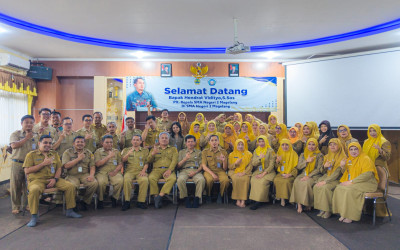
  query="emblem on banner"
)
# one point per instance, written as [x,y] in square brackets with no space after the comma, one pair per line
[212,82]
[198,72]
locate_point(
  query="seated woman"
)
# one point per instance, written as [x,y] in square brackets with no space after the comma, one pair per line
[343,133]
[239,171]
[281,133]
[285,164]
[379,150]
[201,120]
[272,122]
[229,137]
[359,177]
[194,130]
[295,139]
[182,119]
[246,134]
[176,139]
[323,190]
[211,129]
[326,134]
[311,164]
[263,162]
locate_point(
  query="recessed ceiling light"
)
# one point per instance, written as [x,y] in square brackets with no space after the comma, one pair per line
[139,54]
[270,54]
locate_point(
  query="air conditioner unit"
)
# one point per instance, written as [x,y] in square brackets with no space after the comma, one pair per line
[14,62]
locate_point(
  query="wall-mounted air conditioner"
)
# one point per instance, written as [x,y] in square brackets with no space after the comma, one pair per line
[14,62]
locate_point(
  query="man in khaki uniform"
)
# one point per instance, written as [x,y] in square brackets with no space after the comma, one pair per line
[99,128]
[127,135]
[164,159]
[79,163]
[43,127]
[22,142]
[163,124]
[189,165]
[111,130]
[214,162]
[88,132]
[150,133]
[43,169]
[56,121]
[65,138]
[136,168]
[108,162]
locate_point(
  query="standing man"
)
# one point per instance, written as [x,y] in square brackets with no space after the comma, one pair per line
[150,133]
[22,142]
[140,99]
[43,169]
[111,130]
[214,162]
[164,159]
[127,135]
[108,162]
[163,123]
[65,138]
[99,128]
[136,168]
[189,165]
[56,120]
[43,127]
[88,133]
[79,163]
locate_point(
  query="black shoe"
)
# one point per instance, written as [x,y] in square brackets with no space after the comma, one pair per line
[83,206]
[157,201]
[75,209]
[113,202]
[187,203]
[100,205]
[141,205]
[219,199]
[126,206]
[196,202]
[255,206]
[208,199]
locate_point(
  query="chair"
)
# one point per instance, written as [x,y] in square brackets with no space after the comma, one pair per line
[174,198]
[134,183]
[380,195]
[82,189]
[188,181]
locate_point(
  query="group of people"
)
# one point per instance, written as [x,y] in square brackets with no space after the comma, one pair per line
[308,165]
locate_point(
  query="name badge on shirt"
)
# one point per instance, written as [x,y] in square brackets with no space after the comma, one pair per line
[260,168]
[196,163]
[115,162]
[282,168]
[94,143]
[52,169]
[218,165]
[34,146]
[80,170]
[349,177]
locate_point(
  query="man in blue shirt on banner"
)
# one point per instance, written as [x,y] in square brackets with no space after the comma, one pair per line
[140,99]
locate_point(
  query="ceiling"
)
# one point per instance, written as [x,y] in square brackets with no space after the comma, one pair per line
[200,24]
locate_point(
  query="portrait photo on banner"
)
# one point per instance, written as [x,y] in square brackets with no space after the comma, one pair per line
[233,69]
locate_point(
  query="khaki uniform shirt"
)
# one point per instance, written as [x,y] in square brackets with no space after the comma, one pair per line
[99,133]
[111,164]
[127,139]
[165,158]
[66,143]
[21,152]
[211,159]
[164,125]
[82,167]
[36,157]
[49,130]
[151,137]
[136,160]
[90,144]
[193,162]
[116,141]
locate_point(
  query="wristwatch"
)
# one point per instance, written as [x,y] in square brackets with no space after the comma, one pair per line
[55,179]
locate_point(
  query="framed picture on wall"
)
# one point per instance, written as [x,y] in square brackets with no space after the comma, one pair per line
[233,69]
[166,70]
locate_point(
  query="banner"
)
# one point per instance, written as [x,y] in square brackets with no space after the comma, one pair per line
[257,94]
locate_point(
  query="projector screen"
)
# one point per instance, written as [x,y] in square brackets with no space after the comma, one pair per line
[357,90]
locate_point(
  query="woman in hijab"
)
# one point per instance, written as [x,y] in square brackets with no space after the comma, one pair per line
[311,165]
[263,130]
[295,139]
[285,164]
[281,133]
[239,171]
[211,130]
[201,120]
[256,125]
[263,162]
[237,117]
[229,137]
[326,134]
[272,122]
[247,136]
[315,130]
[220,122]
[360,176]
[345,137]
[323,190]
[195,131]
[182,119]
[236,126]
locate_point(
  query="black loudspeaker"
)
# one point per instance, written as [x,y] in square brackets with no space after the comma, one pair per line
[40,72]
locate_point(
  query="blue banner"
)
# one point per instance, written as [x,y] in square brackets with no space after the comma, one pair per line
[257,94]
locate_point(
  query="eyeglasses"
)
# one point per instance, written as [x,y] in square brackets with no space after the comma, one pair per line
[342,130]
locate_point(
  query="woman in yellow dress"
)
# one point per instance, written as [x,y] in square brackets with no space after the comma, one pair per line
[281,133]
[229,137]
[256,128]
[323,190]
[240,171]
[201,120]
[310,163]
[359,177]
[263,163]
[211,130]
[246,134]
[195,131]
[236,126]
[295,139]
[272,122]
[345,137]
[285,165]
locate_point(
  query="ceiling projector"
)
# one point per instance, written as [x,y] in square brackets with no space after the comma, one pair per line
[237,48]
